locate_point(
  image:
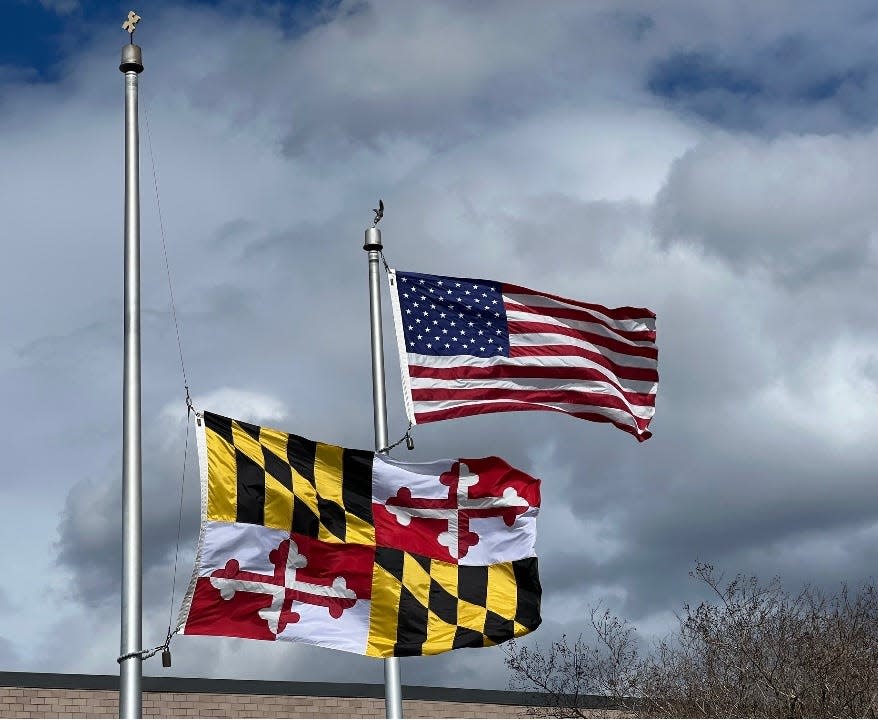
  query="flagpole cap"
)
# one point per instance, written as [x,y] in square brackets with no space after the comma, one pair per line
[373,239]
[132,59]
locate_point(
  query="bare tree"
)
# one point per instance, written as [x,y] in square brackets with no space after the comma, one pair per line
[754,651]
[569,678]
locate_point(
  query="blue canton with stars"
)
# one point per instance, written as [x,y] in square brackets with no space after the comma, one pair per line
[452,316]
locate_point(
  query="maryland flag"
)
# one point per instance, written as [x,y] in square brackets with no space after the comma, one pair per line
[348,549]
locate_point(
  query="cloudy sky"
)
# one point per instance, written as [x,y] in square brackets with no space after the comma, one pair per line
[715,162]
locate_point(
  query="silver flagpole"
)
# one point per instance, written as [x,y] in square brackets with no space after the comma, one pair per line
[130,661]
[392,686]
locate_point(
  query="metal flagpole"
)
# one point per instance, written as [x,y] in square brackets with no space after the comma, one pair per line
[130,661]
[373,246]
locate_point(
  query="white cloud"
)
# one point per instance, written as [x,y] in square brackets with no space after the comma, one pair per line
[250,406]
[62,7]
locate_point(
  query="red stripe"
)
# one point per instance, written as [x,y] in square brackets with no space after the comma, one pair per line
[620,313]
[534,328]
[575,397]
[482,409]
[581,316]
[499,372]
[621,371]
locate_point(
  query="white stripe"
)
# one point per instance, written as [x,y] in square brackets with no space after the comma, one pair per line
[642,411]
[536,362]
[511,384]
[547,339]
[647,323]
[581,325]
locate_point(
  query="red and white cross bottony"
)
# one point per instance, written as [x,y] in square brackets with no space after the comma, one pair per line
[458,508]
[283,587]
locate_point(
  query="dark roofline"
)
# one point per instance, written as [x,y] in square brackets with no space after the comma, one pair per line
[59,681]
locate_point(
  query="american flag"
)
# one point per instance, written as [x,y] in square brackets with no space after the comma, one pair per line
[471,346]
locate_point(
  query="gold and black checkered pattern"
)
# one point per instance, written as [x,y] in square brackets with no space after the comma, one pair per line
[266,477]
[424,607]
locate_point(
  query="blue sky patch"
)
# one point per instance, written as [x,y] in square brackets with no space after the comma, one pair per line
[691,73]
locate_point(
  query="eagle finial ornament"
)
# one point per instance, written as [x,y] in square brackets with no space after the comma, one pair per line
[379,213]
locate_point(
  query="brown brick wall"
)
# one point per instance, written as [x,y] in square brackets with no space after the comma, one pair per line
[30,702]
[48,703]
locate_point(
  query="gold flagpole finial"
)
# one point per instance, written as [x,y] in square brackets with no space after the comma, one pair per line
[130,25]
